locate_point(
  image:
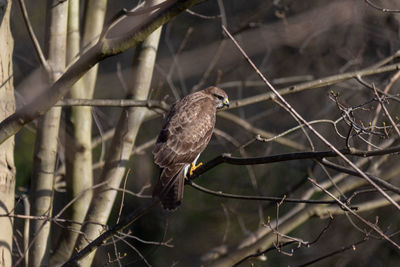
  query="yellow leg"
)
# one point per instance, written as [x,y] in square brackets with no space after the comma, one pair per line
[194,167]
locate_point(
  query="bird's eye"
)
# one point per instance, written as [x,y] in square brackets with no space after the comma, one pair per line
[219,97]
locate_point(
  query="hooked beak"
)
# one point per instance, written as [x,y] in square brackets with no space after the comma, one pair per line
[226,102]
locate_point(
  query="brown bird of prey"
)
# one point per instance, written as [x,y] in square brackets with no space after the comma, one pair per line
[186,131]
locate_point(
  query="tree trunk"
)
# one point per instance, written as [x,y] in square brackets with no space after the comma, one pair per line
[79,155]
[7,107]
[46,142]
[122,143]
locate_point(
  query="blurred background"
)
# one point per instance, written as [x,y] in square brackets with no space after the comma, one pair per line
[291,42]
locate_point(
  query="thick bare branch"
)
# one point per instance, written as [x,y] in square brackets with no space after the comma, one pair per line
[151,104]
[104,48]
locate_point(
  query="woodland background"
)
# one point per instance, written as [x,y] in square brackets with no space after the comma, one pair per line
[335,62]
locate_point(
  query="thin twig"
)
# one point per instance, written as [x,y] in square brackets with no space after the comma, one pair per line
[77,197]
[373,226]
[201,15]
[32,35]
[334,124]
[381,8]
[386,112]
[341,250]
[6,81]
[102,49]
[258,254]
[155,243]
[125,222]
[260,198]
[121,206]
[294,113]
[378,180]
[260,132]
[136,250]
[318,83]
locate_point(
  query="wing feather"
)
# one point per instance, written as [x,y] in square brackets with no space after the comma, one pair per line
[186,131]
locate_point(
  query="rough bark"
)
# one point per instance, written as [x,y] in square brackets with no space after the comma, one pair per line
[45,153]
[7,107]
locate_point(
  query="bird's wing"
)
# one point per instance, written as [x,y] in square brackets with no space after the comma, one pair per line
[186,132]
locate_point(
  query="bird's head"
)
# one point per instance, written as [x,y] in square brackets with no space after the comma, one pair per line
[219,96]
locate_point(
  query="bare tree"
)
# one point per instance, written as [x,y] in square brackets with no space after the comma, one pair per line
[47,139]
[79,159]
[302,168]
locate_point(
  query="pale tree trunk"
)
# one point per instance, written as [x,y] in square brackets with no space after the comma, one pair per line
[45,154]
[79,154]
[7,107]
[94,20]
[122,143]
[137,31]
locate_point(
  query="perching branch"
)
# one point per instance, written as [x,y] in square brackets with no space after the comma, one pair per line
[226,158]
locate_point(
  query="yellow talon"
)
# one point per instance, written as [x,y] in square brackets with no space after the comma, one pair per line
[194,167]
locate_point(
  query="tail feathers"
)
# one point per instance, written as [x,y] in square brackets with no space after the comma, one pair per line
[174,196]
[170,192]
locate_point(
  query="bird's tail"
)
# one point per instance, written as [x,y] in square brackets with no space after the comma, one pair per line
[170,193]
